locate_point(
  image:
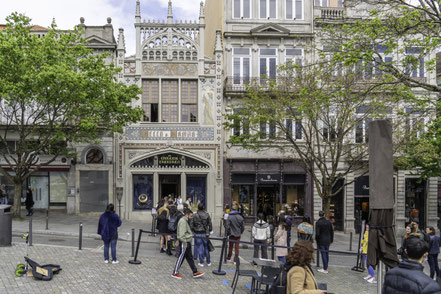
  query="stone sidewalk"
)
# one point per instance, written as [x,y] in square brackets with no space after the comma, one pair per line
[85,272]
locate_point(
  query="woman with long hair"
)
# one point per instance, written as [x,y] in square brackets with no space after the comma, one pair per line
[108,229]
[300,279]
[281,240]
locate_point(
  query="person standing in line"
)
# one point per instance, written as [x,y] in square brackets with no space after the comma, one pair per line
[108,229]
[288,219]
[401,250]
[261,235]
[179,200]
[435,243]
[162,226]
[305,229]
[235,228]
[29,202]
[408,276]
[280,239]
[202,227]
[364,247]
[324,236]
[184,242]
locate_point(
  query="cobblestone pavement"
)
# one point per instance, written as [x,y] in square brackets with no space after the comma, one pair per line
[85,272]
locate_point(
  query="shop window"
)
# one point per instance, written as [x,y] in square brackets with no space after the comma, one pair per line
[94,156]
[416,201]
[268,199]
[58,187]
[197,190]
[293,197]
[244,194]
[142,192]
[150,100]
[189,100]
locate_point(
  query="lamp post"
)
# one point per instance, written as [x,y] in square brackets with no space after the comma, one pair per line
[119,195]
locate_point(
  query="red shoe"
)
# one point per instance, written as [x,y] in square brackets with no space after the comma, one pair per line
[177,276]
[197,274]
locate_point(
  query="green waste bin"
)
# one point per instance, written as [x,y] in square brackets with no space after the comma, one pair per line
[5,225]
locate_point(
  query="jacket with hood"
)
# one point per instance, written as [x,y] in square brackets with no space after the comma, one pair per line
[261,231]
[235,226]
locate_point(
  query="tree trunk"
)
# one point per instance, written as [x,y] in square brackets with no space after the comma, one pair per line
[327,206]
[16,209]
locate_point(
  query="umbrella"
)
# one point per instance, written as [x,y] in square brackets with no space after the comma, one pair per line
[382,244]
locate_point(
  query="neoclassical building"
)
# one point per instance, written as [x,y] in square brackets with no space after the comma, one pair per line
[177,147]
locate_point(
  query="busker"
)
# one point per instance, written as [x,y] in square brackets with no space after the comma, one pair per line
[324,236]
[235,228]
[108,229]
[184,242]
[408,276]
[201,226]
[261,235]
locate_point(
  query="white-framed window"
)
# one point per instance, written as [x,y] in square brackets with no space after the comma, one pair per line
[240,127]
[294,9]
[415,122]
[267,64]
[415,64]
[330,128]
[293,129]
[267,8]
[241,65]
[362,127]
[295,55]
[326,3]
[241,8]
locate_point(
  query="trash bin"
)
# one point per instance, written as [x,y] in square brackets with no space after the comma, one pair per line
[5,225]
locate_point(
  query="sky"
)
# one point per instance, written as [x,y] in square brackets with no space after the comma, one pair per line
[67,13]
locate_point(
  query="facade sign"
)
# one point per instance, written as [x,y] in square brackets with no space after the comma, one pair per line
[362,186]
[268,178]
[169,160]
[170,133]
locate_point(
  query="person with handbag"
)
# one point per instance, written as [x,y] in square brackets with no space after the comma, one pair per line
[202,227]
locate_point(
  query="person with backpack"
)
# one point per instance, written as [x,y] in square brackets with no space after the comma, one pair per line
[184,242]
[261,235]
[305,229]
[201,226]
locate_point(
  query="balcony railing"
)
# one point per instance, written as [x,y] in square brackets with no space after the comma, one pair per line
[330,13]
[240,84]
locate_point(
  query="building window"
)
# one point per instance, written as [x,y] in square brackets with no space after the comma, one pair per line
[170,100]
[293,129]
[294,9]
[241,65]
[189,99]
[415,123]
[94,156]
[150,100]
[240,127]
[268,8]
[327,3]
[295,56]
[414,62]
[242,8]
[268,64]
[330,129]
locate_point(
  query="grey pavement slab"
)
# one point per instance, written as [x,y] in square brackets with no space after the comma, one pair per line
[85,272]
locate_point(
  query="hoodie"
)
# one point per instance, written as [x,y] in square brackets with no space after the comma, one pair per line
[235,226]
[261,231]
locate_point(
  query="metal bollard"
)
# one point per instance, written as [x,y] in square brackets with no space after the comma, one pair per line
[133,243]
[350,242]
[318,257]
[80,241]
[47,219]
[219,271]
[135,259]
[30,231]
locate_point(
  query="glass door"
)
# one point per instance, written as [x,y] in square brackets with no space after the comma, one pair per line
[40,191]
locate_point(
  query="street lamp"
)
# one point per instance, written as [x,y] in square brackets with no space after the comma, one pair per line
[119,195]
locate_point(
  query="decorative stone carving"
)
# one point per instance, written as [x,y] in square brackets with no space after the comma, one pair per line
[169,69]
[129,68]
[207,104]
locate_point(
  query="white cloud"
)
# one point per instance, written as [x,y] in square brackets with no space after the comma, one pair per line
[67,13]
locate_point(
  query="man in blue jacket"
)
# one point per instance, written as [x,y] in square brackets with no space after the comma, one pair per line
[408,276]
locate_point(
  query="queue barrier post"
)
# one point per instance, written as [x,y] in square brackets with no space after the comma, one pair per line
[219,271]
[135,260]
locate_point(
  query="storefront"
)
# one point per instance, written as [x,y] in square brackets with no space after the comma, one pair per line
[361,201]
[268,186]
[415,209]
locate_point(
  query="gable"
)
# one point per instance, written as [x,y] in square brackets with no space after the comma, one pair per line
[270,28]
[95,40]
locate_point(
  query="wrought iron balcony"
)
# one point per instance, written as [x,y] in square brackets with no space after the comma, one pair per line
[241,84]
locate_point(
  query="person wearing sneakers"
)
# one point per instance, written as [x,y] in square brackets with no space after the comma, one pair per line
[108,229]
[324,236]
[235,228]
[364,247]
[184,242]
[261,234]
[202,227]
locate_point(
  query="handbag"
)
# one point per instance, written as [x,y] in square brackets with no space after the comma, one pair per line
[210,246]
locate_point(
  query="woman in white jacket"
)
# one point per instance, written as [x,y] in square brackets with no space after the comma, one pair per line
[281,240]
[261,234]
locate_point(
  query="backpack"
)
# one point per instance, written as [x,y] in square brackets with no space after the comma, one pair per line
[173,223]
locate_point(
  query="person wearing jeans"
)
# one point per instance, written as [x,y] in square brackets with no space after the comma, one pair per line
[432,258]
[201,226]
[108,229]
[261,235]
[235,228]
[364,247]
[324,236]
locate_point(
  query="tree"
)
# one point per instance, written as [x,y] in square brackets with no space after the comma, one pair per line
[54,92]
[399,38]
[317,114]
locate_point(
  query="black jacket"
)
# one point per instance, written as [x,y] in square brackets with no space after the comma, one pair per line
[408,277]
[324,233]
[201,223]
[235,226]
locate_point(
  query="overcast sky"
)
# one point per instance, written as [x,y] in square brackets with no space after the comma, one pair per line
[67,13]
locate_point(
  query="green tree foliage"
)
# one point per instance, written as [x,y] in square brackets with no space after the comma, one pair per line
[318,115]
[54,92]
